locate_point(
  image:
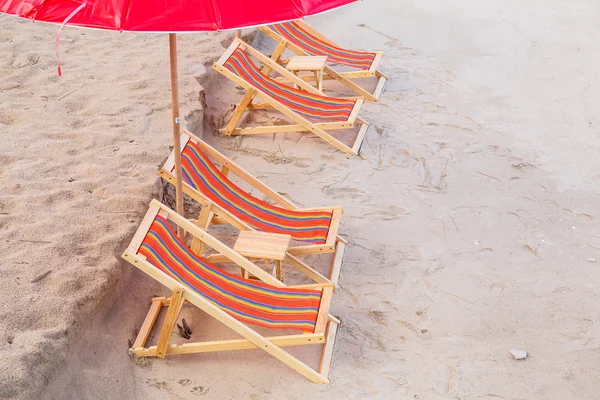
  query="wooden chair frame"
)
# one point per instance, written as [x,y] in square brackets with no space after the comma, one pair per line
[324,332]
[212,213]
[329,73]
[301,124]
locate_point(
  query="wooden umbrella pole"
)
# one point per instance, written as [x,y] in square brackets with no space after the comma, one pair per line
[176,126]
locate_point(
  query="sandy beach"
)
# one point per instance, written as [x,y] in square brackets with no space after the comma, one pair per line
[471,214]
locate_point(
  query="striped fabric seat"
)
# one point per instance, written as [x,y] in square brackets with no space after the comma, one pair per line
[248,301]
[313,107]
[203,175]
[317,47]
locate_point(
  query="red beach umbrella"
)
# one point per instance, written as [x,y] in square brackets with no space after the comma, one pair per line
[168,16]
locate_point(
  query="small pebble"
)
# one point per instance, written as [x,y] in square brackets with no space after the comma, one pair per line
[591,259]
[519,354]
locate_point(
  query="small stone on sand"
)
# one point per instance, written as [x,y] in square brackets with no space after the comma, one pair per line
[519,354]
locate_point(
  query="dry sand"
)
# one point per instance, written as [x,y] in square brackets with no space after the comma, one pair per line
[472,214]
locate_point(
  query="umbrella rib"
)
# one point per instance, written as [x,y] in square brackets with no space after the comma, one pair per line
[217,14]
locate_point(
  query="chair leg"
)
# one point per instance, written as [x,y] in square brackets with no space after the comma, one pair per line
[275,57]
[327,353]
[203,222]
[360,137]
[336,263]
[239,111]
[172,313]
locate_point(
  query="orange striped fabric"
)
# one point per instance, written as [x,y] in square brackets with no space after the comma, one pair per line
[249,301]
[203,175]
[311,106]
[314,46]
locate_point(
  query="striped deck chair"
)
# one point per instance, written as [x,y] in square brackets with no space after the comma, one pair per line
[234,301]
[302,39]
[313,230]
[310,110]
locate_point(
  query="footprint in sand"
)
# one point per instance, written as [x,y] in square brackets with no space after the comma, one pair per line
[388,213]
[346,193]
[199,390]
[156,384]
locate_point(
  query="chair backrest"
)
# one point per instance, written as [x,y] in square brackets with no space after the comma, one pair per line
[315,46]
[248,301]
[203,175]
[314,107]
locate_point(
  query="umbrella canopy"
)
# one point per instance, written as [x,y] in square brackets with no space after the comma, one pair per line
[167,15]
[170,16]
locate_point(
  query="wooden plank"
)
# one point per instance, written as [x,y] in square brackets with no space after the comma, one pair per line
[327,353]
[232,47]
[143,229]
[306,63]
[311,249]
[324,309]
[228,320]
[334,225]
[355,111]
[336,263]
[376,61]
[261,130]
[203,222]
[360,137]
[144,331]
[255,244]
[239,111]
[345,81]
[233,344]
[169,323]
[305,269]
[261,106]
[380,86]
[279,50]
[357,74]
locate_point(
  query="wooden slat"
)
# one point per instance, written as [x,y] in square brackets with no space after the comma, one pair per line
[143,229]
[239,111]
[334,225]
[336,263]
[305,269]
[232,47]
[360,137]
[169,323]
[376,61]
[322,317]
[306,63]
[233,344]
[355,111]
[327,353]
[345,81]
[254,244]
[311,249]
[203,222]
[357,74]
[144,331]
[380,86]
[279,50]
